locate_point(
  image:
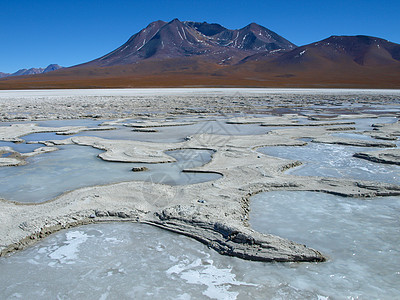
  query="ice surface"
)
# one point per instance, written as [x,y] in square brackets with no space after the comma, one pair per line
[359,236]
[67,253]
[125,260]
[335,161]
[120,261]
[51,174]
[21,147]
[176,134]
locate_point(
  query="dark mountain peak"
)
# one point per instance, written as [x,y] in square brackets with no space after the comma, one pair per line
[365,49]
[186,53]
[359,49]
[149,31]
[51,67]
[258,38]
[353,39]
[161,40]
[157,24]
[175,21]
[253,26]
[133,45]
[208,29]
[32,71]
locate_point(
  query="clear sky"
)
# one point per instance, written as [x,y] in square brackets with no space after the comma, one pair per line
[36,33]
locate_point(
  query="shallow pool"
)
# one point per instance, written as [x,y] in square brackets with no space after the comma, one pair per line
[331,160]
[123,261]
[51,174]
[21,147]
[168,134]
[360,237]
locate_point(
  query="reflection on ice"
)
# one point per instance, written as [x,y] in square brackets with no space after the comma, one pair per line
[137,261]
[67,254]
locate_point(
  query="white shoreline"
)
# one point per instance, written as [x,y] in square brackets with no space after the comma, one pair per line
[189,91]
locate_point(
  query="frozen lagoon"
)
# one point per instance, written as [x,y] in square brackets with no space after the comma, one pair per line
[334,161]
[200,272]
[47,176]
[361,238]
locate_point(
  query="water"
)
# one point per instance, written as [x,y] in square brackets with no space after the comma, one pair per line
[137,262]
[20,147]
[171,134]
[49,175]
[365,124]
[174,134]
[361,238]
[119,261]
[353,135]
[73,122]
[54,124]
[335,161]
[44,136]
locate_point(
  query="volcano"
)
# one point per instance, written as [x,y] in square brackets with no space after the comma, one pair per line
[190,54]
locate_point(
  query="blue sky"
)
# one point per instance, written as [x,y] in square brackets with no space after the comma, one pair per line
[35,33]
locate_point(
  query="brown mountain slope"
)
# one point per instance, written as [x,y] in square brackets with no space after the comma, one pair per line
[356,61]
[121,77]
[337,61]
[213,42]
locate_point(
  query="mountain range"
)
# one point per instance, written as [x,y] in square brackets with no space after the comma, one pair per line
[214,43]
[32,71]
[177,54]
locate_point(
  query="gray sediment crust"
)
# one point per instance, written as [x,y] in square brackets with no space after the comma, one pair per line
[385,131]
[18,159]
[278,121]
[14,132]
[312,124]
[343,117]
[139,169]
[131,103]
[144,130]
[390,156]
[152,124]
[352,142]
